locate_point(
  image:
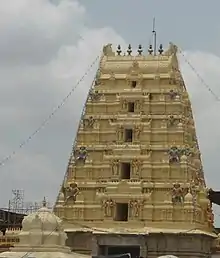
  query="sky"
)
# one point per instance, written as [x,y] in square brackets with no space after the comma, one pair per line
[45,48]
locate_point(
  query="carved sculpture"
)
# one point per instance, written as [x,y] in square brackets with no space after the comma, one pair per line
[171,120]
[81,154]
[136,165]
[137,132]
[115,167]
[70,192]
[108,208]
[124,104]
[138,105]
[107,50]
[172,94]
[134,208]
[174,154]
[172,50]
[210,216]
[177,194]
[94,95]
[120,133]
[89,122]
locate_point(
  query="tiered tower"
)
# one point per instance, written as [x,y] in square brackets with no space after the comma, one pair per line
[136,165]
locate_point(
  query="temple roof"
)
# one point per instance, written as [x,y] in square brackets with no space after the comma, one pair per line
[42,235]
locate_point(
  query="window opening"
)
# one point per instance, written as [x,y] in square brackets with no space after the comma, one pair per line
[125,170]
[131,107]
[121,212]
[128,135]
[133,84]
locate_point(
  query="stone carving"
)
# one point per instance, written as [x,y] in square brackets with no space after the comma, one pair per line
[147,95]
[81,154]
[137,132]
[138,105]
[172,50]
[120,133]
[108,208]
[172,81]
[70,192]
[109,151]
[198,178]
[174,154]
[172,94]
[171,120]
[134,208]
[177,194]
[186,151]
[147,193]
[115,167]
[94,95]
[136,166]
[107,50]
[147,153]
[89,122]
[124,104]
[210,216]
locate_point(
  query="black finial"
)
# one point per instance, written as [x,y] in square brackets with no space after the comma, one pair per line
[129,51]
[119,50]
[160,50]
[44,203]
[150,49]
[140,50]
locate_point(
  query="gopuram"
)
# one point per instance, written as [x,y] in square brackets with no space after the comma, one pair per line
[135,180]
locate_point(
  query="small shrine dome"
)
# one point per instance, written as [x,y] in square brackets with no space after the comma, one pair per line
[42,235]
[44,218]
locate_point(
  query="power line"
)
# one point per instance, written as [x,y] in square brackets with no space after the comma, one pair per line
[47,120]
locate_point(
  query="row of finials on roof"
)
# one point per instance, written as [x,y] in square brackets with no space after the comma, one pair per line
[140,50]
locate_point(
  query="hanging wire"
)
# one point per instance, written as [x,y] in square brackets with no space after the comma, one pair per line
[47,120]
[75,140]
[217,98]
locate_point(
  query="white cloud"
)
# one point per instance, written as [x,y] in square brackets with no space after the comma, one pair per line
[44,49]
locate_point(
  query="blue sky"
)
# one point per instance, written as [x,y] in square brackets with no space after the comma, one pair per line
[192,26]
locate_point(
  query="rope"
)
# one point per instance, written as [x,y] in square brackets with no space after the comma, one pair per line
[47,120]
[217,98]
[75,140]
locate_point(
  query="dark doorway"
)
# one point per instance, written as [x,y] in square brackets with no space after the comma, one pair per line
[133,250]
[125,170]
[121,212]
[128,135]
[133,84]
[131,107]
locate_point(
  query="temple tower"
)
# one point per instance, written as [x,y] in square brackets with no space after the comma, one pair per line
[136,167]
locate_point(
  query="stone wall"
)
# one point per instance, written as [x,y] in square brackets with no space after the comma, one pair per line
[151,246]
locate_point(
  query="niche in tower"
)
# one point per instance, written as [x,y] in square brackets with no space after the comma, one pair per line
[128,136]
[131,107]
[133,84]
[125,170]
[121,212]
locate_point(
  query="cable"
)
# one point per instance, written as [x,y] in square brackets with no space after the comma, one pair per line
[199,76]
[47,120]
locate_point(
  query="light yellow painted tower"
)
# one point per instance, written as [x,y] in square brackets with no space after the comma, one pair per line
[135,176]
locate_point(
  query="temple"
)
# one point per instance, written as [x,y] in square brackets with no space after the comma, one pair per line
[42,235]
[135,180]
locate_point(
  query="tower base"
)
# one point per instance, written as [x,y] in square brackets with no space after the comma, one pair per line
[149,245]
